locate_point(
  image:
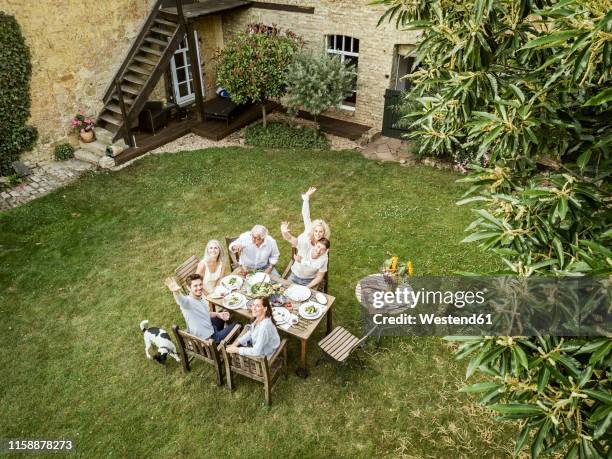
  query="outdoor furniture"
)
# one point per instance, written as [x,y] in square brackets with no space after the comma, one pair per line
[260,369]
[234,257]
[302,331]
[321,286]
[153,117]
[339,345]
[222,108]
[191,347]
[188,267]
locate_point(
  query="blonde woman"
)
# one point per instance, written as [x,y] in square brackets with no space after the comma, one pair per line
[314,230]
[213,266]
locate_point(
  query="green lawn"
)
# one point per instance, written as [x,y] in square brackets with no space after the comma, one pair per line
[80,268]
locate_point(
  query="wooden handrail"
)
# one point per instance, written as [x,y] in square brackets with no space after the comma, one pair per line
[124,113]
[144,29]
[180,12]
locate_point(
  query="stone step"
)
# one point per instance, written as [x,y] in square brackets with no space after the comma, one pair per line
[104,135]
[78,165]
[96,147]
[87,156]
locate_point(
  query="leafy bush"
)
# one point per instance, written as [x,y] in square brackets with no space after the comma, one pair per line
[523,89]
[15,73]
[317,82]
[281,135]
[252,66]
[64,151]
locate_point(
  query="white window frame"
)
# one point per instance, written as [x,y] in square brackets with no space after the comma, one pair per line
[189,98]
[343,55]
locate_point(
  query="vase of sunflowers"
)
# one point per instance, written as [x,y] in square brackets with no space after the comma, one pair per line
[396,272]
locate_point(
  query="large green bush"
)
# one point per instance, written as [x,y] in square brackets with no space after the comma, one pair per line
[281,135]
[522,89]
[15,73]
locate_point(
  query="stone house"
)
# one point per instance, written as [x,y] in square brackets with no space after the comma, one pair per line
[77,53]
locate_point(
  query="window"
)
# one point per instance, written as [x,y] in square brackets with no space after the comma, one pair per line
[348,50]
[403,63]
[182,77]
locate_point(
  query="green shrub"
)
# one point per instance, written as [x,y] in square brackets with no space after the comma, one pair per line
[281,135]
[15,72]
[64,151]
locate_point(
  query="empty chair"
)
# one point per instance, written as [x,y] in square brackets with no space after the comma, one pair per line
[234,257]
[186,268]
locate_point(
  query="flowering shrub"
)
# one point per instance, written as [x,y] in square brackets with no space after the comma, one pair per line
[82,123]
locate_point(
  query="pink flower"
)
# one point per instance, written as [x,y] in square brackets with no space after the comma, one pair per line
[81,112]
[82,131]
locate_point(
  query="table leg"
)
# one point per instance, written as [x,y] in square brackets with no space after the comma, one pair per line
[329,321]
[302,371]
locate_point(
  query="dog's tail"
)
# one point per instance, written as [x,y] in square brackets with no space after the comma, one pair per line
[143,325]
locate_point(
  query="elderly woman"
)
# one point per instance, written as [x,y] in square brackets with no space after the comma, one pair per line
[213,266]
[262,338]
[258,250]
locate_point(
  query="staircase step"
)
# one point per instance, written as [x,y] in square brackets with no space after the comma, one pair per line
[111,119]
[96,147]
[134,79]
[166,23]
[144,60]
[86,156]
[78,165]
[127,99]
[115,108]
[161,31]
[149,50]
[130,89]
[157,41]
[134,68]
[104,135]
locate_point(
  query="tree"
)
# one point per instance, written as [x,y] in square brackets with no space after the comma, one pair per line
[520,89]
[317,82]
[252,66]
[15,72]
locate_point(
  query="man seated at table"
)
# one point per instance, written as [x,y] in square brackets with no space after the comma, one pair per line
[258,250]
[200,322]
[308,268]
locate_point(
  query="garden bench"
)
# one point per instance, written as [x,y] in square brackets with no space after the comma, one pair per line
[222,108]
[260,369]
[191,347]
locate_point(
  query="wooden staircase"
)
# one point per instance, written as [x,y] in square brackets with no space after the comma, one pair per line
[142,68]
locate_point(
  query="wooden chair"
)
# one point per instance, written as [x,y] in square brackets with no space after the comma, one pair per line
[188,267]
[339,345]
[234,257]
[321,286]
[191,347]
[260,369]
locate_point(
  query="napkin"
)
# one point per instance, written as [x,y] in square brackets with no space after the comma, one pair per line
[287,325]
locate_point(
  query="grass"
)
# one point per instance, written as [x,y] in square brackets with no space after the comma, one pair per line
[81,267]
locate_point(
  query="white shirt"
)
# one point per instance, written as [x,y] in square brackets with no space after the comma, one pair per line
[210,279]
[254,257]
[263,338]
[309,267]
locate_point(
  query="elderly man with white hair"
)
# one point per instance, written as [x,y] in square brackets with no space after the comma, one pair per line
[258,250]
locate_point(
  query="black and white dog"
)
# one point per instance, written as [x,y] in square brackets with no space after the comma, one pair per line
[160,338]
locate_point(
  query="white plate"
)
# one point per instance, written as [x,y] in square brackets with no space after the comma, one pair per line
[256,278]
[232,282]
[239,296]
[305,315]
[281,315]
[298,292]
[321,298]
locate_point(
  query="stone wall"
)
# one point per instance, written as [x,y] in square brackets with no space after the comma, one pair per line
[340,17]
[76,49]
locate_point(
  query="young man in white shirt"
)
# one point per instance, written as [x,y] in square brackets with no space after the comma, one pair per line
[258,250]
[310,269]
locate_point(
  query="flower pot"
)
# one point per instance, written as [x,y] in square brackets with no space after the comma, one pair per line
[87,136]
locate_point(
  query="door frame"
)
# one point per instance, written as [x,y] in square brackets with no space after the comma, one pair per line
[189,99]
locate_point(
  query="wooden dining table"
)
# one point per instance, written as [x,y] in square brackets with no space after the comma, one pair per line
[302,331]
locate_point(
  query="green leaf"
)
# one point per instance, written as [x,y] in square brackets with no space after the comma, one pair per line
[553,39]
[601,97]
[600,395]
[518,409]
[538,442]
[522,357]
[603,426]
[583,159]
[559,250]
[601,353]
[522,439]
[480,387]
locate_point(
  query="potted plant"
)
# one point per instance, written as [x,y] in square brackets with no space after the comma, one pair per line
[396,272]
[84,127]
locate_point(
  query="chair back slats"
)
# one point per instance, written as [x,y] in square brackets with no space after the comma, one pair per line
[234,257]
[186,268]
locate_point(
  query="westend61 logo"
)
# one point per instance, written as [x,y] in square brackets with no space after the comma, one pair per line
[490,306]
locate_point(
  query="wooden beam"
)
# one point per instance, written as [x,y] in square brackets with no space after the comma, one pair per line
[126,119]
[283,7]
[196,71]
